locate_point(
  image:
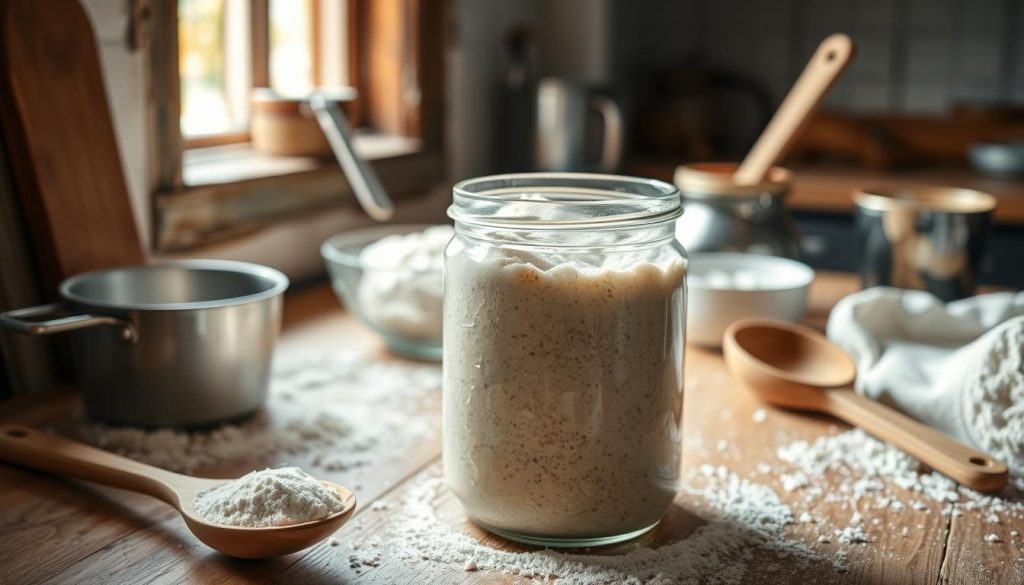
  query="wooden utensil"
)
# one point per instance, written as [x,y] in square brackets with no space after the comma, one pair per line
[832,56]
[796,367]
[45,452]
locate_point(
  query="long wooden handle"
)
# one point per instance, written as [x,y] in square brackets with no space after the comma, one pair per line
[828,62]
[959,462]
[42,451]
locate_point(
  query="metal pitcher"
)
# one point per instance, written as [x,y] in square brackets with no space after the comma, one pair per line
[565,140]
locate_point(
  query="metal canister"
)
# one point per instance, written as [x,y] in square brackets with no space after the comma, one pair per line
[928,238]
[723,216]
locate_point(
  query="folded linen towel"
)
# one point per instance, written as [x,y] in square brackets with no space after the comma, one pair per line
[957,367]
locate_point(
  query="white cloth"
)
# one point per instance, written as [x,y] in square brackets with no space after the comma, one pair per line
[932,361]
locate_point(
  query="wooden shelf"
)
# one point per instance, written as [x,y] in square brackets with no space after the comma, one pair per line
[829,189]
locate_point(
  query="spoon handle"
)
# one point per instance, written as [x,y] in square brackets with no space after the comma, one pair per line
[959,462]
[821,72]
[43,451]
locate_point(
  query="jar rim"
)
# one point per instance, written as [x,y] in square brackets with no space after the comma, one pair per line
[564,201]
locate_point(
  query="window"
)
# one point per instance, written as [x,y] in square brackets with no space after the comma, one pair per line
[206,58]
[225,51]
[214,66]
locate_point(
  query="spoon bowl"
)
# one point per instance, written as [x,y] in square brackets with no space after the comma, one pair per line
[784,364]
[42,451]
[796,367]
[265,542]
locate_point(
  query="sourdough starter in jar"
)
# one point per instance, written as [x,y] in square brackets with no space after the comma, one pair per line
[563,387]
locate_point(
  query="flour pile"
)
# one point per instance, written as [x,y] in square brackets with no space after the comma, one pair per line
[272,497]
[994,400]
[343,411]
[744,518]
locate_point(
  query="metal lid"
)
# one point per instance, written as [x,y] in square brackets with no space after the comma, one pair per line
[932,199]
[716,179]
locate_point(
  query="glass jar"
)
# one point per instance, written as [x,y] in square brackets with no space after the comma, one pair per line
[722,216]
[564,318]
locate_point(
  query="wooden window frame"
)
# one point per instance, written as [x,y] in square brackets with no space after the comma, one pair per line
[396,63]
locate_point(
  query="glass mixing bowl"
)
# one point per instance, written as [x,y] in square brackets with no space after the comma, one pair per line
[402,304]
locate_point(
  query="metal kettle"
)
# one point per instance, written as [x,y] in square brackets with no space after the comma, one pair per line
[566,138]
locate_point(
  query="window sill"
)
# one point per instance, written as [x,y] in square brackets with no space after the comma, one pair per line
[233,163]
[232,190]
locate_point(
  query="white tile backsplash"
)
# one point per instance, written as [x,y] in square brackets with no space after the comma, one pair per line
[912,55]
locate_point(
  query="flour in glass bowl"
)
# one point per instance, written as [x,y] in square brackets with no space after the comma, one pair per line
[401,288]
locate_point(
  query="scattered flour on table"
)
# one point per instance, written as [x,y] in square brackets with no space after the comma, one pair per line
[342,410]
[873,477]
[272,497]
[744,518]
[994,399]
[850,470]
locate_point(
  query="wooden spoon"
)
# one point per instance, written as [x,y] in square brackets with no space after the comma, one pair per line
[45,452]
[796,367]
[832,56]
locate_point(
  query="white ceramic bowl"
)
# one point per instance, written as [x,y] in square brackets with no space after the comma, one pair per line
[725,287]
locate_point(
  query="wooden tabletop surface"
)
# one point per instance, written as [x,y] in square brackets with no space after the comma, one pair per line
[62,531]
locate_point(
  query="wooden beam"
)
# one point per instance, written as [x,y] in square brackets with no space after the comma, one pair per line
[60,137]
[163,96]
[260,43]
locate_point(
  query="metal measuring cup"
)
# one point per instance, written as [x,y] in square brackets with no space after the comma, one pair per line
[927,238]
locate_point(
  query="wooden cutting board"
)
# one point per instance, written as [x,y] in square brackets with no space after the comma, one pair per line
[60,140]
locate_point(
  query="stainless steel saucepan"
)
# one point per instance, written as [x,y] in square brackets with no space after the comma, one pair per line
[182,344]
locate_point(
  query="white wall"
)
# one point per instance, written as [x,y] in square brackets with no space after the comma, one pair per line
[917,56]
[573,40]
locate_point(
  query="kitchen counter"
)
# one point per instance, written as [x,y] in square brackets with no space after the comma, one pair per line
[60,531]
[830,188]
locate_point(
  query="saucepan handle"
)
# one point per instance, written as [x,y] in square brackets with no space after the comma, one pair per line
[17,321]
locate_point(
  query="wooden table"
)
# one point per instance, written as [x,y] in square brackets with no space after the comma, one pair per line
[61,531]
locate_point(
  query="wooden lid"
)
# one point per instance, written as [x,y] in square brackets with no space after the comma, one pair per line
[266,100]
[717,179]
